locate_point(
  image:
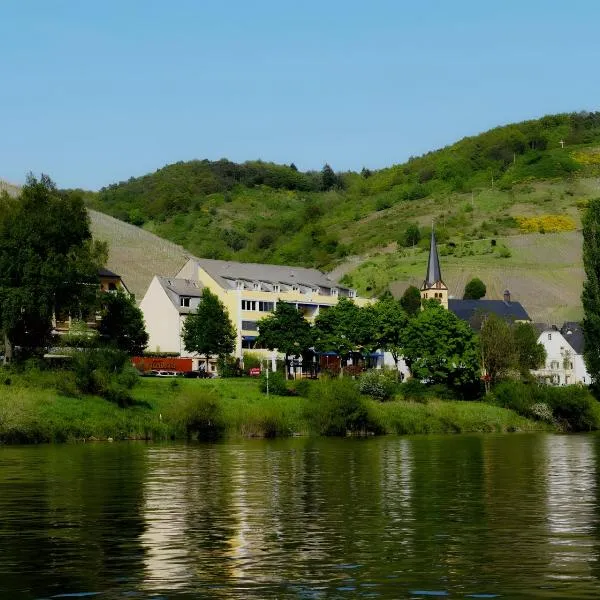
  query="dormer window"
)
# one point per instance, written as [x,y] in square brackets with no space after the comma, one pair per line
[351,293]
[549,336]
[185,301]
[276,288]
[295,288]
[239,285]
[256,286]
[334,291]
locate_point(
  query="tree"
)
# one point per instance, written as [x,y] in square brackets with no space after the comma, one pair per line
[474,290]
[412,235]
[48,262]
[498,348]
[285,330]
[411,301]
[389,323]
[328,178]
[293,167]
[530,354]
[438,347]
[122,323]
[591,289]
[209,330]
[343,329]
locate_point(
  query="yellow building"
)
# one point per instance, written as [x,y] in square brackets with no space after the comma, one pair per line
[249,291]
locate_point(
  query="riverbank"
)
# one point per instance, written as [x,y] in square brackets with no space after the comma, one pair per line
[166,409]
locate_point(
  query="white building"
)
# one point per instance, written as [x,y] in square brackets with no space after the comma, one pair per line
[165,305]
[564,355]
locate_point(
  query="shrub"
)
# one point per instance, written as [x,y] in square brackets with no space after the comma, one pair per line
[251,361]
[199,415]
[277,384]
[335,407]
[414,391]
[302,387]
[105,372]
[227,366]
[573,407]
[380,385]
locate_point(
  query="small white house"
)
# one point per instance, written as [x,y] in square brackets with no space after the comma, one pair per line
[564,355]
[165,305]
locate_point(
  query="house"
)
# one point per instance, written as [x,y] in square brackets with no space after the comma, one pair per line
[250,291]
[165,306]
[564,355]
[471,311]
[109,281]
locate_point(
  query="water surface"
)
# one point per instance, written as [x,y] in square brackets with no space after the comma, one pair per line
[509,516]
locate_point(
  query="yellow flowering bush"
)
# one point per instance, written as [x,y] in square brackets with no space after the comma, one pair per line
[546,224]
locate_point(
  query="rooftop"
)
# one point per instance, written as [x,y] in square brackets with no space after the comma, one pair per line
[473,311]
[176,288]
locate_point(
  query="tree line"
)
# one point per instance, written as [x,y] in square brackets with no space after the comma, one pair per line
[437,346]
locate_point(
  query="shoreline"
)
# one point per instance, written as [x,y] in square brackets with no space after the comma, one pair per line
[180,409]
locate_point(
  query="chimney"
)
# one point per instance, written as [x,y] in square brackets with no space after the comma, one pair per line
[507,296]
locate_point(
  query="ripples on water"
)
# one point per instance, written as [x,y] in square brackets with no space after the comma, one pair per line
[512,516]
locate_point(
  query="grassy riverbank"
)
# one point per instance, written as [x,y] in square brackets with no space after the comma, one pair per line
[171,409]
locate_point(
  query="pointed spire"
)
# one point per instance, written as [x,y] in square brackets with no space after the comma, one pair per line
[434,273]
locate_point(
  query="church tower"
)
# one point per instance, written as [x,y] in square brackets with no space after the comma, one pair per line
[433,287]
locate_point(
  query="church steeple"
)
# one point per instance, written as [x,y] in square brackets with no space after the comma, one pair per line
[434,287]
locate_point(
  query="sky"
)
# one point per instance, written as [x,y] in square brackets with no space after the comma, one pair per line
[92,93]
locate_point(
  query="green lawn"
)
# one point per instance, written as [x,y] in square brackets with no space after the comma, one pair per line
[165,407]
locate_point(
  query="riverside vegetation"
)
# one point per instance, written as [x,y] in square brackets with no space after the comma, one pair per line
[33,410]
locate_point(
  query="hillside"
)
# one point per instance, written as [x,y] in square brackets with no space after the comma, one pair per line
[505,185]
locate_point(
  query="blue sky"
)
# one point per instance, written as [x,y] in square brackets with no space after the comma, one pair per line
[96,92]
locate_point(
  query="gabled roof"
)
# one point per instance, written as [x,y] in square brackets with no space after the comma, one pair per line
[573,333]
[228,273]
[104,272]
[434,272]
[176,288]
[473,311]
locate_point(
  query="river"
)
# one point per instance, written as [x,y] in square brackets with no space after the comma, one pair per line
[507,516]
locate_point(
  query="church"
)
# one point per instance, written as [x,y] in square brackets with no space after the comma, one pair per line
[471,311]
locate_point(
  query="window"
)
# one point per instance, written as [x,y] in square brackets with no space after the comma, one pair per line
[276,288]
[249,326]
[294,288]
[239,285]
[549,336]
[185,301]
[248,304]
[266,306]
[351,294]
[256,286]
[334,291]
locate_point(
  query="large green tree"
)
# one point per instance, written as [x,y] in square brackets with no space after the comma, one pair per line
[343,329]
[286,330]
[530,354]
[209,330]
[439,347]
[122,323]
[48,262]
[591,289]
[498,350]
[389,322]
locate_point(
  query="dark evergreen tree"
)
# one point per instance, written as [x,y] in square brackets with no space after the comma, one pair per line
[328,178]
[591,289]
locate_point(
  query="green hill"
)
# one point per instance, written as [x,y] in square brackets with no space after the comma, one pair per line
[506,204]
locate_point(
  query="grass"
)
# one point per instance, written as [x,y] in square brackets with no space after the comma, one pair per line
[177,408]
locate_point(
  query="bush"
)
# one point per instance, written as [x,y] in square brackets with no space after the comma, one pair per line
[277,384]
[251,361]
[199,415]
[335,407]
[572,407]
[302,387]
[413,390]
[380,385]
[105,372]
[227,366]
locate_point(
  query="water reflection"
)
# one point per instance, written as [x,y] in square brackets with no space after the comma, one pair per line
[515,516]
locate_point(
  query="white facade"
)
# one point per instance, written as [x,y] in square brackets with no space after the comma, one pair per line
[563,365]
[164,319]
